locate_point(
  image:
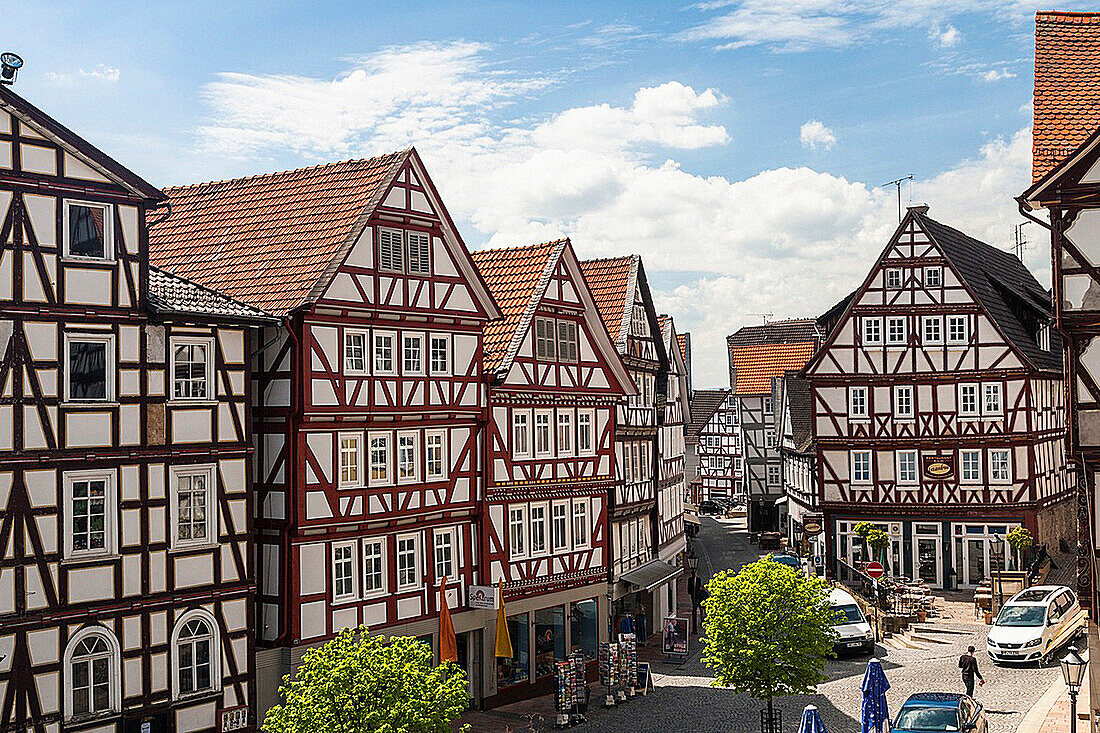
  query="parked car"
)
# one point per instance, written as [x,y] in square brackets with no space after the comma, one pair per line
[789,560]
[940,711]
[853,632]
[709,507]
[1034,623]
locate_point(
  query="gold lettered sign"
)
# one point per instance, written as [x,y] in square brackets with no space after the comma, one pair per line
[938,468]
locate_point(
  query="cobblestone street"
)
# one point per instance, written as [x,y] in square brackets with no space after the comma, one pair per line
[683,699]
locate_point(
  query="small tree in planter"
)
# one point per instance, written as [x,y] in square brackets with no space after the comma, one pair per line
[1020,540]
[862,530]
[878,541]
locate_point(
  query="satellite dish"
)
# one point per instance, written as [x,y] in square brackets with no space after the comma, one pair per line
[11,59]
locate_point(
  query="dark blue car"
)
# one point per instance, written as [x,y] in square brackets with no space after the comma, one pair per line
[940,711]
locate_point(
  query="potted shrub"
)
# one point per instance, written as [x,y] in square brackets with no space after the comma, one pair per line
[1020,540]
[861,530]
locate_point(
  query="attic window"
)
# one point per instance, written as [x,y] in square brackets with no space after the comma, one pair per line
[88,230]
[1042,337]
[893,278]
[419,253]
[933,277]
[391,250]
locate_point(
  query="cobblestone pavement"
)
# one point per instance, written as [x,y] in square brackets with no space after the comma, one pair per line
[683,699]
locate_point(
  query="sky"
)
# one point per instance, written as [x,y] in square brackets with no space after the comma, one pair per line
[739,146]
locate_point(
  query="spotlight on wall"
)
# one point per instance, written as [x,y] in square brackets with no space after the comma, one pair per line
[10,64]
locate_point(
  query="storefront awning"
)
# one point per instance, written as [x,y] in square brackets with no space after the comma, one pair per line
[692,519]
[781,501]
[650,575]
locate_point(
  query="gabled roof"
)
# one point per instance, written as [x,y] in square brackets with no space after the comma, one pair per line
[787,331]
[1067,86]
[800,409]
[1003,286]
[274,241]
[169,294]
[517,278]
[682,342]
[90,154]
[753,366]
[611,281]
[704,403]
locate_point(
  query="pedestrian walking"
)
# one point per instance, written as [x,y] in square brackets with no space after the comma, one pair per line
[969,666]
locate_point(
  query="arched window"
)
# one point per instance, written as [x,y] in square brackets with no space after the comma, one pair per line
[92,663]
[195,649]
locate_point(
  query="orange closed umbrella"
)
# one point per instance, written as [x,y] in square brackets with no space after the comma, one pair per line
[504,639]
[448,645]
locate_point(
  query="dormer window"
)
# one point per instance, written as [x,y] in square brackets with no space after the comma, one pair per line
[88,231]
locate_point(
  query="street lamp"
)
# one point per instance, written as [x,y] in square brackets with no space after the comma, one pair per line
[1073,672]
[692,561]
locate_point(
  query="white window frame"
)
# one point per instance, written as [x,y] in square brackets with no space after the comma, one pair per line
[376,367]
[993,477]
[417,573]
[431,436]
[110,511]
[938,272]
[114,672]
[111,371]
[517,532]
[452,535]
[407,337]
[872,336]
[340,480]
[774,475]
[564,432]
[560,543]
[415,476]
[544,508]
[109,254]
[549,449]
[891,321]
[993,388]
[522,419]
[857,410]
[910,392]
[352,549]
[588,449]
[197,614]
[368,352]
[913,477]
[373,542]
[963,454]
[957,319]
[977,411]
[932,339]
[869,478]
[580,539]
[390,470]
[891,273]
[206,342]
[208,472]
[434,339]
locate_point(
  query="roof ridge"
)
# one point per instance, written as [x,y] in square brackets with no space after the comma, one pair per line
[1066,14]
[611,259]
[272,174]
[516,247]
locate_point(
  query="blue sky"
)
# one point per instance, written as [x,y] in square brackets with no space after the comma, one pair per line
[738,146]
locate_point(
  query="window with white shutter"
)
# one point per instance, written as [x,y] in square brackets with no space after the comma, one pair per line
[419,247]
[390,250]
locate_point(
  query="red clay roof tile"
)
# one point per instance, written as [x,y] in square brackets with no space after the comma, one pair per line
[608,280]
[754,366]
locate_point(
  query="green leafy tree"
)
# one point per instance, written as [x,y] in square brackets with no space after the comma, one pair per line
[768,629]
[878,541]
[358,683]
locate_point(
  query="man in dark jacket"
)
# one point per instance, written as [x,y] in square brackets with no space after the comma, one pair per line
[969,666]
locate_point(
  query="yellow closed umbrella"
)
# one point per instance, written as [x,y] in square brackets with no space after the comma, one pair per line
[504,640]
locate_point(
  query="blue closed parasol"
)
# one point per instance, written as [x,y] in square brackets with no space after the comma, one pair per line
[874,712]
[811,721]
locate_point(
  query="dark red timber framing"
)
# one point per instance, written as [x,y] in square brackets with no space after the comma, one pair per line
[125,509]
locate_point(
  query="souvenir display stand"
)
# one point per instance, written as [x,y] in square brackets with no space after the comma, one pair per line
[570,699]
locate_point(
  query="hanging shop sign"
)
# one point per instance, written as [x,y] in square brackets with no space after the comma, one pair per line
[938,468]
[484,596]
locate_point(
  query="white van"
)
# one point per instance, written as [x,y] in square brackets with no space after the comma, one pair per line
[853,631]
[1034,623]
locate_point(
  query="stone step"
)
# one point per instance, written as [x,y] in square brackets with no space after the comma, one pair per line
[929,639]
[932,629]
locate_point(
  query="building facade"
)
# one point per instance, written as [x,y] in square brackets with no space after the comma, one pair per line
[795,437]
[758,355]
[642,585]
[714,444]
[671,483]
[1065,197]
[937,409]
[556,385]
[369,402]
[125,473]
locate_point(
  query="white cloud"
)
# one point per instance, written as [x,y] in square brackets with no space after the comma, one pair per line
[997,75]
[99,72]
[816,136]
[945,37]
[787,240]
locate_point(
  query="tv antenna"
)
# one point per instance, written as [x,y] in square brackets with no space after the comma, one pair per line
[765,316]
[897,183]
[1021,241]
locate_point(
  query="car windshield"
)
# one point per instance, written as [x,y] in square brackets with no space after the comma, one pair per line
[848,614]
[1012,615]
[927,718]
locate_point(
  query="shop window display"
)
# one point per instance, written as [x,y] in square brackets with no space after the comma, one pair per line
[549,639]
[583,630]
[515,669]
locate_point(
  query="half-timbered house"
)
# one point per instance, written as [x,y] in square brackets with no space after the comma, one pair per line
[369,401]
[938,410]
[556,381]
[1066,183]
[125,505]
[713,439]
[759,355]
[794,436]
[671,485]
[643,586]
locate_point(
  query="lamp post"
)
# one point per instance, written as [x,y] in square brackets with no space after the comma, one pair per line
[1073,672]
[693,590]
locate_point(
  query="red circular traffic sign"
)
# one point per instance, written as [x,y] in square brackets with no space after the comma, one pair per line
[875,570]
